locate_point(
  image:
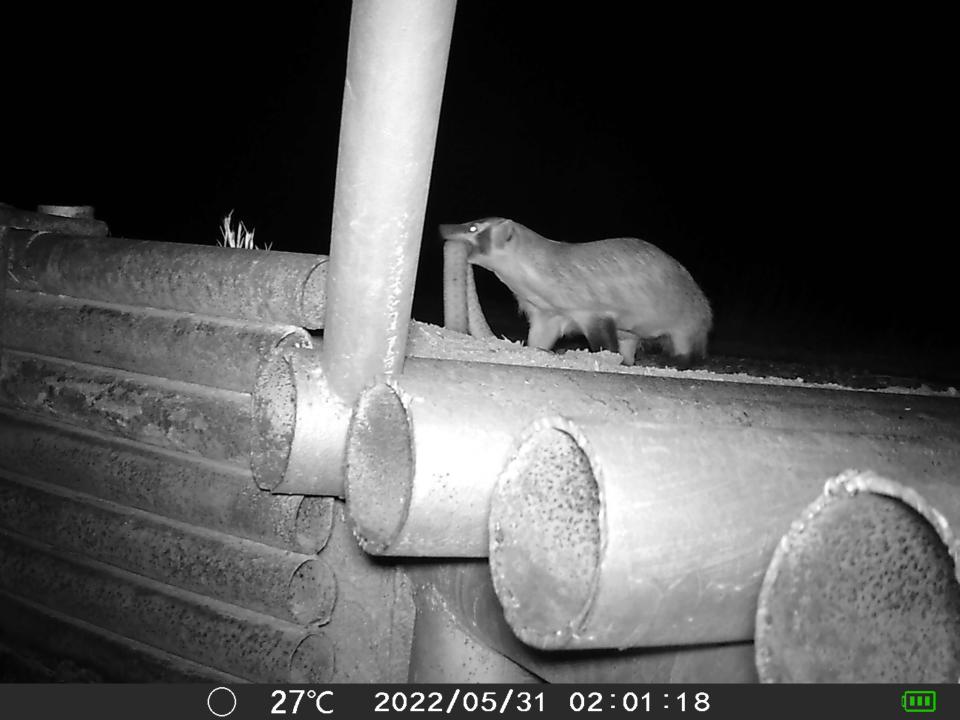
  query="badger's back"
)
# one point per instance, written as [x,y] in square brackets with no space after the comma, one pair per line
[642,288]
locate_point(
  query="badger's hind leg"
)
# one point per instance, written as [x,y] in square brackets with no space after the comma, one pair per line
[686,348]
[601,333]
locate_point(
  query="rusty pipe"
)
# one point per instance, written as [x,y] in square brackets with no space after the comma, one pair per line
[865,587]
[637,534]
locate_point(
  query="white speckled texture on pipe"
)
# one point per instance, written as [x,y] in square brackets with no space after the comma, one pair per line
[396,65]
[634,534]
[865,586]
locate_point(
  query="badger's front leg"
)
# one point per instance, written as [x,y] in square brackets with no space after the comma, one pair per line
[545,329]
[628,346]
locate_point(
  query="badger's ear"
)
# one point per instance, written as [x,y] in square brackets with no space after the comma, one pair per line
[505,231]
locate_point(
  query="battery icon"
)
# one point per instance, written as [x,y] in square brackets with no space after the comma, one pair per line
[919,701]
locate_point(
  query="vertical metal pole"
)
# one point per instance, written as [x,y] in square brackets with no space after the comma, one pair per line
[396,64]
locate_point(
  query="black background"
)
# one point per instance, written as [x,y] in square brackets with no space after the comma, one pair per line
[796,161]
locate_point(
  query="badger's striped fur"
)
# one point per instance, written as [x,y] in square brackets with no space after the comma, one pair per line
[614,291]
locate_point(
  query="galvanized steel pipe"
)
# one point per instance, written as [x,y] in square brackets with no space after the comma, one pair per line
[372,624]
[192,490]
[289,586]
[116,658]
[396,63]
[206,350]
[444,652]
[475,317]
[865,587]
[255,285]
[455,271]
[185,417]
[461,306]
[611,534]
[38,221]
[253,646]
[3,285]
[423,451]
[68,211]
[463,603]
[300,426]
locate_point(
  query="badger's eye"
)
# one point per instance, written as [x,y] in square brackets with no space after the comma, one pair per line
[473,228]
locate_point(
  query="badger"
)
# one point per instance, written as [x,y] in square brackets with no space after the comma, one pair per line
[615,292]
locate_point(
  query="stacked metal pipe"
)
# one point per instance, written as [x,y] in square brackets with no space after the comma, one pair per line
[677,521]
[618,511]
[624,511]
[129,517]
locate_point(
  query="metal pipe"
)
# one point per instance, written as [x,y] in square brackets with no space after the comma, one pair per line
[455,270]
[254,285]
[300,424]
[289,586]
[206,350]
[461,306]
[444,653]
[254,646]
[463,592]
[372,625]
[865,587]
[475,317]
[4,267]
[396,63]
[113,657]
[188,418]
[423,451]
[38,221]
[70,211]
[475,409]
[215,496]
[24,667]
[637,534]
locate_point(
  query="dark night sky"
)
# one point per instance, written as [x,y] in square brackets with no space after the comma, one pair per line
[793,162]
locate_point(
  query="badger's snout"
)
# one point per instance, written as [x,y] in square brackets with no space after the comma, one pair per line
[463,231]
[469,233]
